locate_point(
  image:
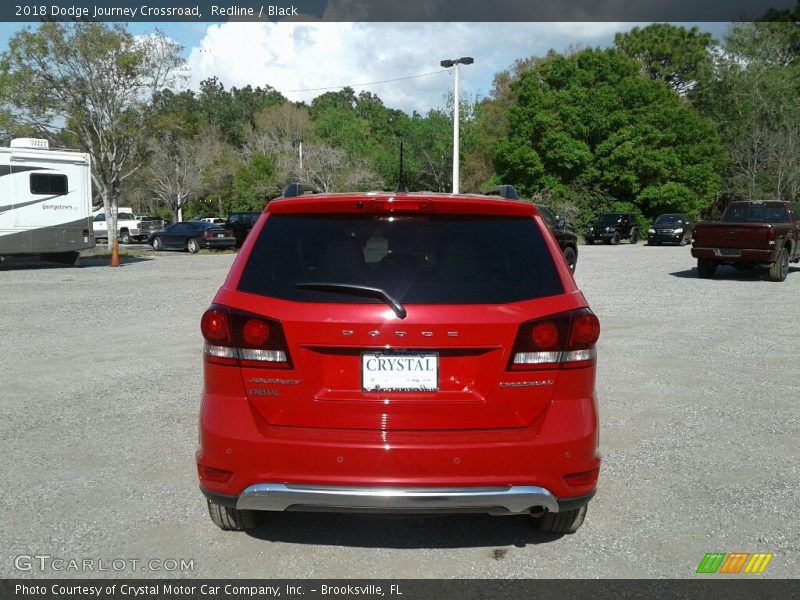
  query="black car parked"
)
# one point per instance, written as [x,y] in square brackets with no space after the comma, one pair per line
[241,223]
[563,233]
[612,228]
[191,236]
[673,228]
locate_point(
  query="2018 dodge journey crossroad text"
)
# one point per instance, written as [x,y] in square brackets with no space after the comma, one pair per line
[399,352]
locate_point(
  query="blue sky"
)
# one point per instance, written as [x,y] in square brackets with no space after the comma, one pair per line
[295,56]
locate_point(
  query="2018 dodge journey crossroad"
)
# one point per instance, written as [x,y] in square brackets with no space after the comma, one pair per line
[399,352]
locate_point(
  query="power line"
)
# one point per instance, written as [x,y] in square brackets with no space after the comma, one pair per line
[353,85]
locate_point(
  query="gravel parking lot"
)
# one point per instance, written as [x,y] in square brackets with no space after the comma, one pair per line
[698,392]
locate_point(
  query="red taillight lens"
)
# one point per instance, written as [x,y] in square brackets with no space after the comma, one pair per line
[582,479]
[237,338]
[584,331]
[565,340]
[255,332]
[545,335]
[216,327]
[215,475]
[401,205]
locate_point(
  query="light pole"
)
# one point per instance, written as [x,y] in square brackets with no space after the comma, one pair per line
[464,60]
[297,144]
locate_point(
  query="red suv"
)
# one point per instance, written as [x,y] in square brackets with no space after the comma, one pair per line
[399,352]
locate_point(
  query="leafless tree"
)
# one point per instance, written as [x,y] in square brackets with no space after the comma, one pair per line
[329,170]
[175,173]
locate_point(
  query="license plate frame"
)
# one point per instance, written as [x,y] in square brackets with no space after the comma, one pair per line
[400,378]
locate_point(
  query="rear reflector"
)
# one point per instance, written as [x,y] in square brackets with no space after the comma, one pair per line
[215,475]
[583,478]
[564,340]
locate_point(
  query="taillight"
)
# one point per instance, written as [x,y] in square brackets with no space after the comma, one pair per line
[566,340]
[400,205]
[215,327]
[237,338]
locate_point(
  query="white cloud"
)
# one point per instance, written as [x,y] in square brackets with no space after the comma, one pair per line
[310,55]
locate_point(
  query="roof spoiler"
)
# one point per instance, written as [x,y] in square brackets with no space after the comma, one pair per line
[504,191]
[298,189]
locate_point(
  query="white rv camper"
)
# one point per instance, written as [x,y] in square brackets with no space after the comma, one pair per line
[45,201]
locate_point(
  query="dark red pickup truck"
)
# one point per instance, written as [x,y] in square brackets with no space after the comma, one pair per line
[750,234]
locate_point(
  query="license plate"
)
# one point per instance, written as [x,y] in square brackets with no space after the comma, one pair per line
[220,235]
[383,372]
[729,252]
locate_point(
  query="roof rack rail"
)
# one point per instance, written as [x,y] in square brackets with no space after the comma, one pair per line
[298,189]
[504,191]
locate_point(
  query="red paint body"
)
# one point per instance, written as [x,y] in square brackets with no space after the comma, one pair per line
[312,423]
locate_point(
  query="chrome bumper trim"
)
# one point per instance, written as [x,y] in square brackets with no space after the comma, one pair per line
[511,499]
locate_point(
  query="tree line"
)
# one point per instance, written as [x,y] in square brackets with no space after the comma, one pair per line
[668,119]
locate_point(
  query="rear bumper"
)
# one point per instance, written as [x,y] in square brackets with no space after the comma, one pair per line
[514,499]
[233,438]
[746,255]
[218,242]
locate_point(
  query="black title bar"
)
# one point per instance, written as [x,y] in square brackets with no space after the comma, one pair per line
[383,10]
[703,588]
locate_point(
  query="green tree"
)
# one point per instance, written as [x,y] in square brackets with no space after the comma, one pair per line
[234,112]
[668,53]
[94,81]
[753,92]
[253,184]
[593,121]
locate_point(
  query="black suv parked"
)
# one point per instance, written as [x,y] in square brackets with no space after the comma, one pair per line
[241,223]
[563,233]
[674,228]
[613,228]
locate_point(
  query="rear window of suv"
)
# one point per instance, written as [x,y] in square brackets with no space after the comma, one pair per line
[426,259]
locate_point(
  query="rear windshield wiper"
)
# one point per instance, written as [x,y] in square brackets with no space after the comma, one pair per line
[363,290]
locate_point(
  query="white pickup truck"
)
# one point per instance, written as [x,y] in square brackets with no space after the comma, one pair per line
[130,228]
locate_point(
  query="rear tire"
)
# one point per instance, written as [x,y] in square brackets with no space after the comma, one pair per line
[567,521]
[706,268]
[634,237]
[572,258]
[193,246]
[780,268]
[125,237]
[232,519]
